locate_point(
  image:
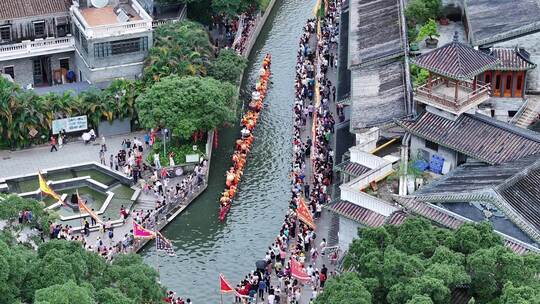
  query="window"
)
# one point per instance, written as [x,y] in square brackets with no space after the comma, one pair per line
[76,33]
[431,145]
[5,33]
[498,82]
[102,49]
[39,29]
[118,47]
[508,84]
[84,44]
[64,63]
[10,71]
[129,45]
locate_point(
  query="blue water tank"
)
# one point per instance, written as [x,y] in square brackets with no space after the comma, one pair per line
[436,164]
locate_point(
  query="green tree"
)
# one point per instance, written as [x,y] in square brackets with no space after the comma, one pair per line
[228,66]
[420,11]
[182,49]
[66,293]
[112,296]
[345,289]
[520,294]
[233,7]
[420,299]
[428,30]
[187,104]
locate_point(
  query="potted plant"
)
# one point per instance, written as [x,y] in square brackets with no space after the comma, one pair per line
[430,30]
[443,20]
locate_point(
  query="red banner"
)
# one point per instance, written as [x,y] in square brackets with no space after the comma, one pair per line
[224,286]
[298,272]
[304,214]
[139,232]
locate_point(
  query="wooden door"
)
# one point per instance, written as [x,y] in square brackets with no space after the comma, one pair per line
[508,84]
[518,92]
[498,84]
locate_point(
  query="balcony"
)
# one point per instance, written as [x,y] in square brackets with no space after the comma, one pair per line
[107,22]
[454,97]
[38,47]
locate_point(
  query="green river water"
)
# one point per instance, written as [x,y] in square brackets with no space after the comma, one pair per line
[206,247]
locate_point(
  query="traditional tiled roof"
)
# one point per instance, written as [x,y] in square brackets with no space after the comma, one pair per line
[491,21]
[352,168]
[427,210]
[13,9]
[476,176]
[477,136]
[378,95]
[513,188]
[511,60]
[397,218]
[453,221]
[522,193]
[356,213]
[456,60]
[374,31]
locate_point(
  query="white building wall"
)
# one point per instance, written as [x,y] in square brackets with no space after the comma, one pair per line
[365,200]
[348,230]
[418,144]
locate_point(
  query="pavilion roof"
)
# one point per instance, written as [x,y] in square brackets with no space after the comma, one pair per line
[456,60]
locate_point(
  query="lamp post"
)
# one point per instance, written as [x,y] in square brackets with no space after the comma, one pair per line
[165,131]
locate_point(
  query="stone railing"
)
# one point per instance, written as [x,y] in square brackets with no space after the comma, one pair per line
[36,47]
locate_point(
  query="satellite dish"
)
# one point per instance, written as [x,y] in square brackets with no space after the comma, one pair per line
[99,3]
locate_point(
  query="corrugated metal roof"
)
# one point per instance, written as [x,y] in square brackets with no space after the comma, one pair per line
[357,213]
[13,9]
[477,136]
[456,60]
[511,60]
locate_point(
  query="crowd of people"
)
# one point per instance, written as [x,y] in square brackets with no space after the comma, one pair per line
[297,240]
[243,144]
[248,25]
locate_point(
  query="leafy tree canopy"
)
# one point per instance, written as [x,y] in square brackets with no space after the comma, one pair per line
[233,7]
[63,272]
[182,49]
[187,104]
[228,66]
[345,289]
[419,263]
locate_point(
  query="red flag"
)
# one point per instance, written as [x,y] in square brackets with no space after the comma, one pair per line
[224,286]
[304,214]
[298,272]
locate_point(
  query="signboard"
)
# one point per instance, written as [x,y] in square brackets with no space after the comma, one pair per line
[71,124]
[192,158]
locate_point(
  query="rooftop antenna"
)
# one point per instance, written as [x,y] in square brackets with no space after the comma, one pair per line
[99,3]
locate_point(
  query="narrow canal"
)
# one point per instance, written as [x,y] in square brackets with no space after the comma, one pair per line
[204,246]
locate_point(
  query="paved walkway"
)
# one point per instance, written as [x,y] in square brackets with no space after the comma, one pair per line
[29,161]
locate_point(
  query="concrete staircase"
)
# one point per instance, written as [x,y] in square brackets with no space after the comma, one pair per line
[529,114]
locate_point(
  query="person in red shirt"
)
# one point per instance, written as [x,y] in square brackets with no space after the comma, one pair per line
[53,143]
